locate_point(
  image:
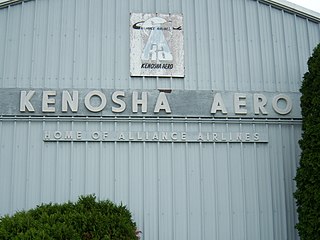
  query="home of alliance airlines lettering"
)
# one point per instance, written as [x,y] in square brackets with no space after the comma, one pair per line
[187,112]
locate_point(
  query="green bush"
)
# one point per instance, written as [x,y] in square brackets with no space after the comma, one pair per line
[308,174]
[85,219]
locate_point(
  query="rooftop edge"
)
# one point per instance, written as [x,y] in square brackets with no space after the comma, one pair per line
[283,4]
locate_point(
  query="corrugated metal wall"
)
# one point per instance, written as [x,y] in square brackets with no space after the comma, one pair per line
[175,190]
[229,45]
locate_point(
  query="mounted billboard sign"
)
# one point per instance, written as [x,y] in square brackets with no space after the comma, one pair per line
[112,102]
[156,45]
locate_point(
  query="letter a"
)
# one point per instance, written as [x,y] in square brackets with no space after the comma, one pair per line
[162,103]
[218,104]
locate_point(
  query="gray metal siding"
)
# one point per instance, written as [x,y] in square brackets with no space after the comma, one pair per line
[175,190]
[229,45]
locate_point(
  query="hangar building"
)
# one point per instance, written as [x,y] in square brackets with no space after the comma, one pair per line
[186,111]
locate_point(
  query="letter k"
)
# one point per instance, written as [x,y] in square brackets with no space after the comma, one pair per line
[25,103]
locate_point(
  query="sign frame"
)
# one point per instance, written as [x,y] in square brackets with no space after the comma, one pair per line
[156,45]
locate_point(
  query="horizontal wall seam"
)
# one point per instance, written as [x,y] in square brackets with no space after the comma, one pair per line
[153,119]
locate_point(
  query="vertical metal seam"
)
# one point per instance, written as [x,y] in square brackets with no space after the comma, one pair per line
[222,48]
[32,73]
[157,82]
[74,44]
[202,212]
[278,192]
[143,82]
[143,177]
[71,162]
[185,49]
[14,143]
[271,185]
[41,163]
[173,188]
[235,44]
[123,49]
[273,50]
[27,180]
[60,44]
[169,11]
[285,52]
[114,164]
[247,42]
[5,46]
[196,49]
[284,186]
[154,6]
[55,160]
[308,33]
[101,44]
[114,47]
[215,186]
[99,164]
[229,184]
[87,77]
[46,49]
[129,161]
[19,46]
[297,42]
[187,187]
[158,186]
[259,211]
[85,163]
[129,28]
[243,188]
[260,51]
[209,47]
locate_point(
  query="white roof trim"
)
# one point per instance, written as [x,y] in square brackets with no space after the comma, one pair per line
[6,3]
[283,4]
[291,7]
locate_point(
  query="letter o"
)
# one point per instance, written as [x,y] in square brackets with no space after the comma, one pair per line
[276,108]
[57,134]
[95,135]
[96,93]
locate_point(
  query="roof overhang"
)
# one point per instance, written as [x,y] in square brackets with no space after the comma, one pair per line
[281,4]
[7,3]
[293,8]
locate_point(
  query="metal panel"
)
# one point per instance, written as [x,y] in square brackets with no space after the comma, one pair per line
[175,190]
[76,44]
